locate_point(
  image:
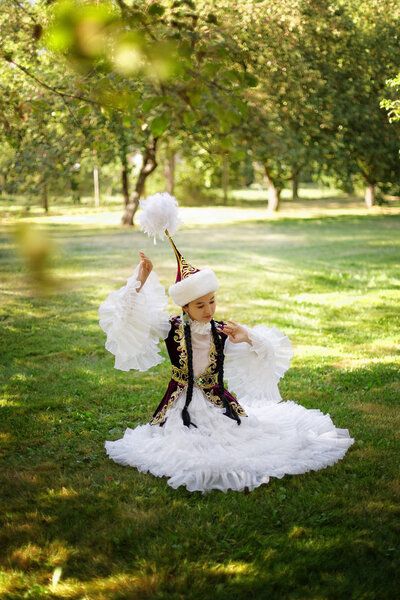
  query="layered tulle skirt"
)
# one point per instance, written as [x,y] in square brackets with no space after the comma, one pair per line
[273,441]
[277,438]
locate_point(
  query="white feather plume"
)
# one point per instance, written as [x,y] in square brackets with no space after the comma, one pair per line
[160,212]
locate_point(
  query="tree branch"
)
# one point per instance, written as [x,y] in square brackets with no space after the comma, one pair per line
[25,10]
[49,87]
[125,8]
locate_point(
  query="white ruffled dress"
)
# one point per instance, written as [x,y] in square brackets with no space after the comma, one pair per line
[275,439]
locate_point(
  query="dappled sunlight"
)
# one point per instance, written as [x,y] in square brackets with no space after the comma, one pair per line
[339,299]
[307,207]
[109,588]
[10,400]
[382,511]
[114,533]
[299,532]
[19,377]
[299,210]
[4,438]
[233,568]
[54,553]
[312,351]
[382,414]
[237,578]
[19,478]
[383,356]
[63,492]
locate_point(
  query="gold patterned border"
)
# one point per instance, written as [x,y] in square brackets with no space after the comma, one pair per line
[179,338]
[203,381]
[216,400]
[207,379]
[160,415]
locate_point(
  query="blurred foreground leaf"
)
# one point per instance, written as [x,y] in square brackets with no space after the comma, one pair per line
[37,251]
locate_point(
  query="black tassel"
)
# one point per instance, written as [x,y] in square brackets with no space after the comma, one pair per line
[186,417]
[189,392]
[229,412]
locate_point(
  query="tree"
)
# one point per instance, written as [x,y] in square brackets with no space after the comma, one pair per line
[354,45]
[186,68]
[44,127]
[321,68]
[281,131]
[392,105]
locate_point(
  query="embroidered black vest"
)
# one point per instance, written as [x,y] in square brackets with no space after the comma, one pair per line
[207,381]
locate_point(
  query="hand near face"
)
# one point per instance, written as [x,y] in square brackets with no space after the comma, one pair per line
[145,269]
[236,333]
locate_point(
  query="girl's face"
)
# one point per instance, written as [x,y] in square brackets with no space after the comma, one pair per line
[201,309]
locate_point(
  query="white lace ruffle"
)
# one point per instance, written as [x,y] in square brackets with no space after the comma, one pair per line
[134,323]
[273,441]
[199,327]
[253,372]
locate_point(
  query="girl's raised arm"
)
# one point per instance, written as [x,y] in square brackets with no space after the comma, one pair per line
[145,268]
[134,323]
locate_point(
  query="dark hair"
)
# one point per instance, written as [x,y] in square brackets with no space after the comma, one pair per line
[189,391]
[229,411]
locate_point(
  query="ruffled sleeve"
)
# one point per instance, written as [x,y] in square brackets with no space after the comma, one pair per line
[253,372]
[134,323]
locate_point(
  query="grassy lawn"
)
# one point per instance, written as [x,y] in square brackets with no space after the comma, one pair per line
[76,525]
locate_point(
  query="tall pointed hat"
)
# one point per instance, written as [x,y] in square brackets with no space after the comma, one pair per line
[160,218]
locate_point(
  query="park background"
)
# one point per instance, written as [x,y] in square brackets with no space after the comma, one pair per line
[276,127]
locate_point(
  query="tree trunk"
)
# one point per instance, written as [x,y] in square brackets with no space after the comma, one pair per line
[96,181]
[123,153]
[3,183]
[370,195]
[169,173]
[225,177]
[274,194]
[274,198]
[76,199]
[125,182]
[45,199]
[148,166]
[295,187]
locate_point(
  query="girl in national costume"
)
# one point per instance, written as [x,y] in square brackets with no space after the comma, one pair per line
[200,435]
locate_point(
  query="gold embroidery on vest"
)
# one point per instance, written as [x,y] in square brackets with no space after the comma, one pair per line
[210,372]
[179,338]
[160,415]
[204,380]
[209,378]
[216,400]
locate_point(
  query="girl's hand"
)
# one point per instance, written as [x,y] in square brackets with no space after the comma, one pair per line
[145,269]
[236,333]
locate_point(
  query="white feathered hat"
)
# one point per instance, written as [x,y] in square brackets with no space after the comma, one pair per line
[160,218]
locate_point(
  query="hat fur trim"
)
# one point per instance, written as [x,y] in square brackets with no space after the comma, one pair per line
[195,286]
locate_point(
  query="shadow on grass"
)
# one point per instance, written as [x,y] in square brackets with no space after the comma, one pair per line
[117,533]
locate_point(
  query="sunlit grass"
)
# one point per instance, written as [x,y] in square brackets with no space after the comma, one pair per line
[332,284]
[243,205]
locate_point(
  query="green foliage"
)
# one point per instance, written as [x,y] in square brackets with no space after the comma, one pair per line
[143,72]
[392,105]
[160,124]
[321,71]
[168,50]
[292,86]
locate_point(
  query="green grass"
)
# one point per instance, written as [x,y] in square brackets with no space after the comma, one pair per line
[332,284]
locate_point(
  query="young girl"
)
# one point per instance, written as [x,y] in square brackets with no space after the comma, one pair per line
[200,435]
